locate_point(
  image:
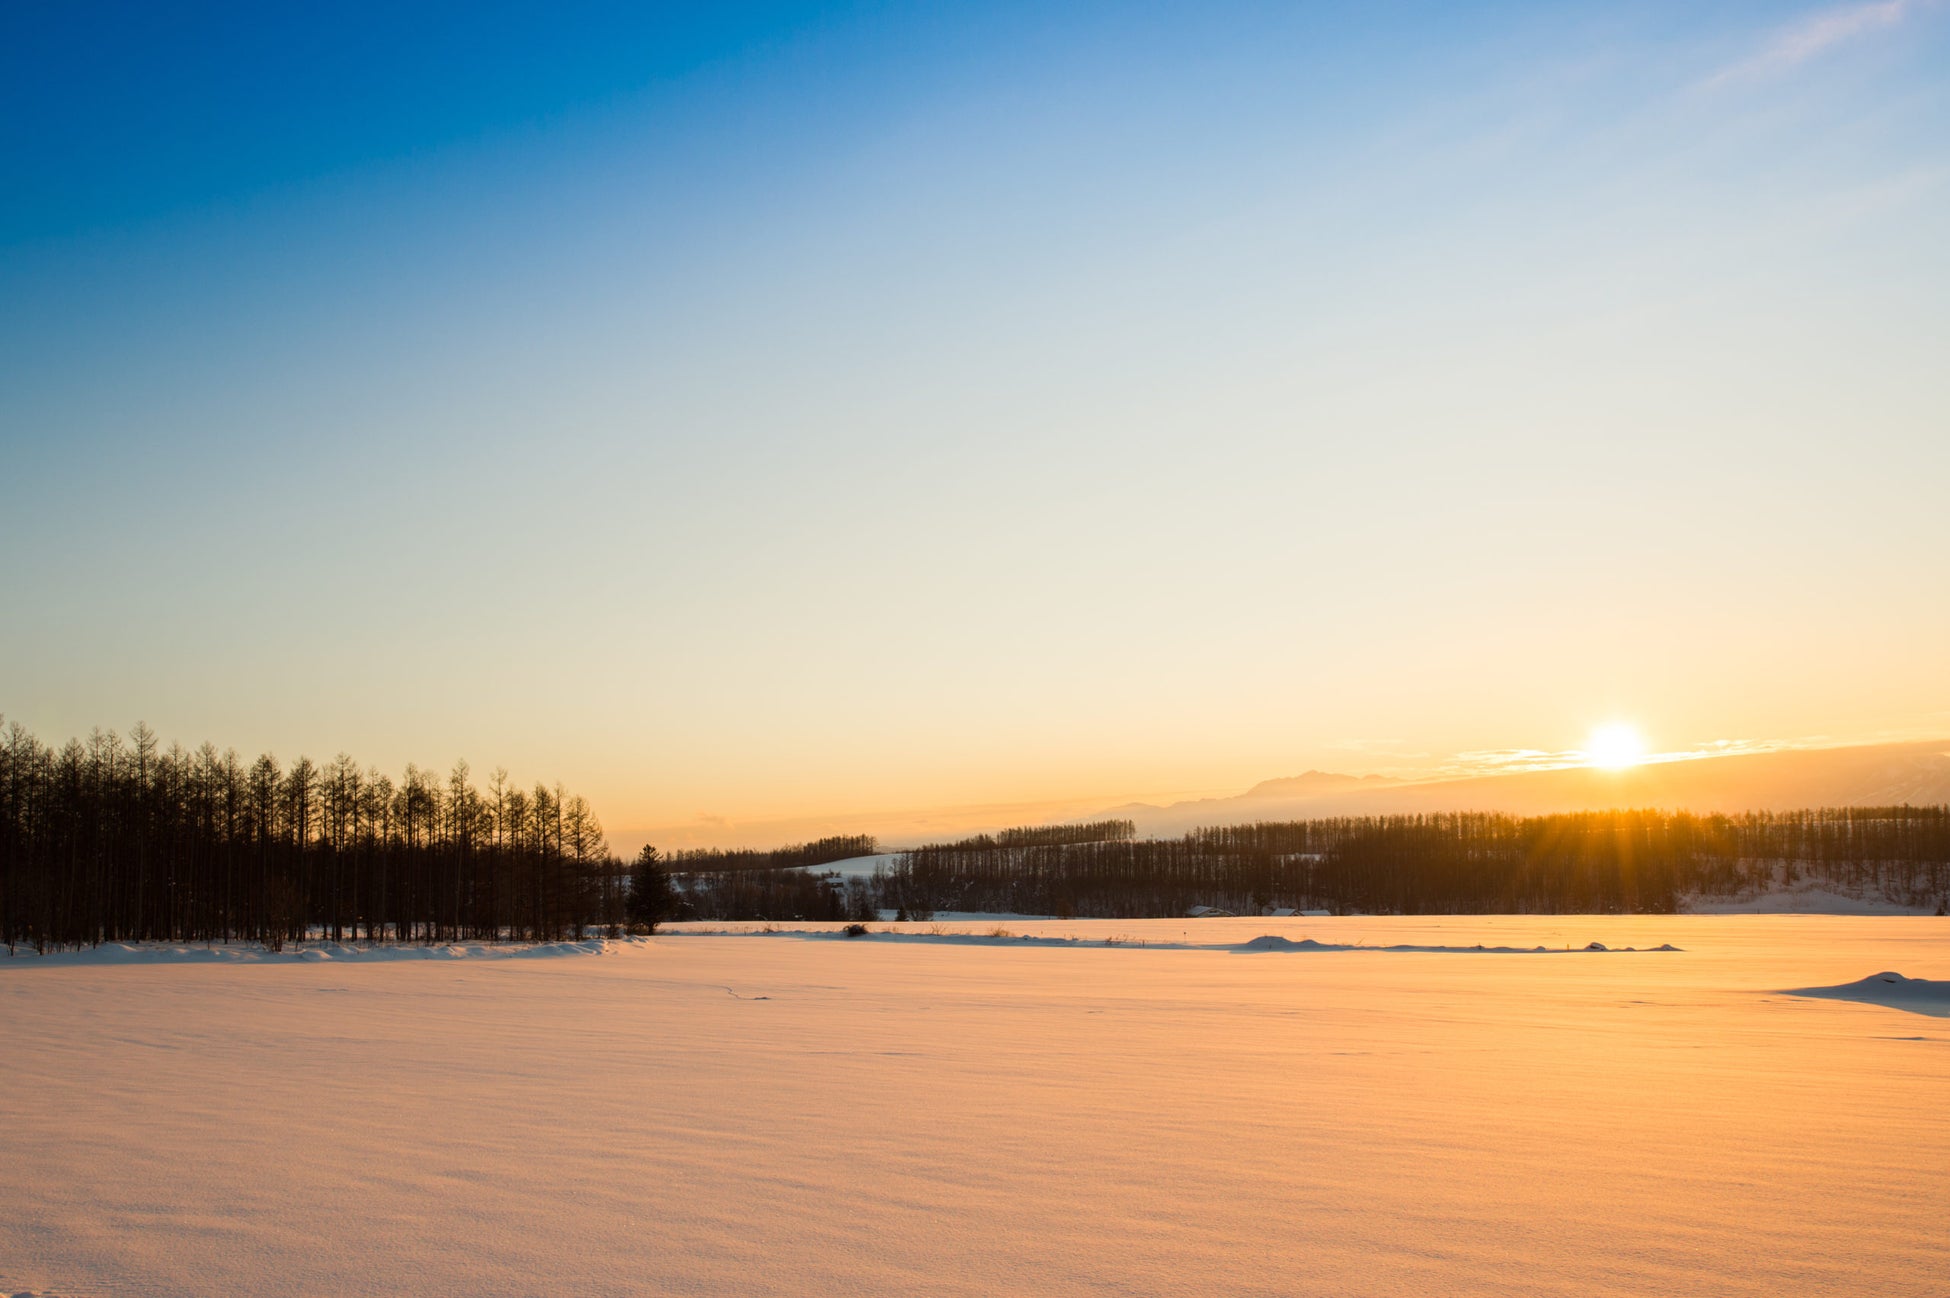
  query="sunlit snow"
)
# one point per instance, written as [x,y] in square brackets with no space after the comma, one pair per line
[1065,1107]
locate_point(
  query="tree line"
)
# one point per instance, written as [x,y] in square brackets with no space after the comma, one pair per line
[799,856]
[1092,831]
[1458,863]
[785,884]
[114,839]
[790,894]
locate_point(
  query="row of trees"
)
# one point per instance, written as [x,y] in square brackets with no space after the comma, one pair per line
[1591,862]
[821,851]
[1092,831]
[794,894]
[113,839]
[781,884]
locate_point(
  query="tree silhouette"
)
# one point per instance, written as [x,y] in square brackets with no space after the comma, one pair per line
[114,840]
[652,900]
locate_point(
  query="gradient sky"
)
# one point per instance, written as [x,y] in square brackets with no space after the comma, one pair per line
[794,409]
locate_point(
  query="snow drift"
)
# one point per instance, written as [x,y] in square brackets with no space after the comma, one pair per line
[1918,995]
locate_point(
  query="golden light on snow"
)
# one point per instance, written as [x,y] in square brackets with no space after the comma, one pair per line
[1615,747]
[1419,1122]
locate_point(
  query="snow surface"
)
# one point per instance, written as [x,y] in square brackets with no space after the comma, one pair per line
[1131,1107]
[859,867]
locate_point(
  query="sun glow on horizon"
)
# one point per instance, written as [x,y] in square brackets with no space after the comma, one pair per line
[1615,746]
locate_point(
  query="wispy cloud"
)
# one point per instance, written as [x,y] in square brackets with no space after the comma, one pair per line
[1510,761]
[1814,35]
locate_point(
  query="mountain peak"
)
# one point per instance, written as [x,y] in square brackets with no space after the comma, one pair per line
[1295,786]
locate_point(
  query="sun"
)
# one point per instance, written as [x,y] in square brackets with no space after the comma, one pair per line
[1615,747]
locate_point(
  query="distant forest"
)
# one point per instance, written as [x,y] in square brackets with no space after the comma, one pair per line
[819,852]
[113,839]
[1468,863]
[779,885]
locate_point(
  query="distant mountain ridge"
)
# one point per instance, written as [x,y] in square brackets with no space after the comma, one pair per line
[1304,787]
[1781,780]
[1313,782]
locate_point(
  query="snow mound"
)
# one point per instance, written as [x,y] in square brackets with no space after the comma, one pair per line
[1139,939]
[1274,942]
[147,953]
[1891,989]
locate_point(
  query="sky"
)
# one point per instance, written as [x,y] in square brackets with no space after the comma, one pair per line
[752,414]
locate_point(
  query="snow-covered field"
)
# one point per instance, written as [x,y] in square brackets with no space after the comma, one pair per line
[1159,1107]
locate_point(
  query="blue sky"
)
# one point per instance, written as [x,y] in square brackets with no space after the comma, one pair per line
[750,412]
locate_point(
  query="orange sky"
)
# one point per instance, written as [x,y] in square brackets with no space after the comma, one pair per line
[1062,418]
